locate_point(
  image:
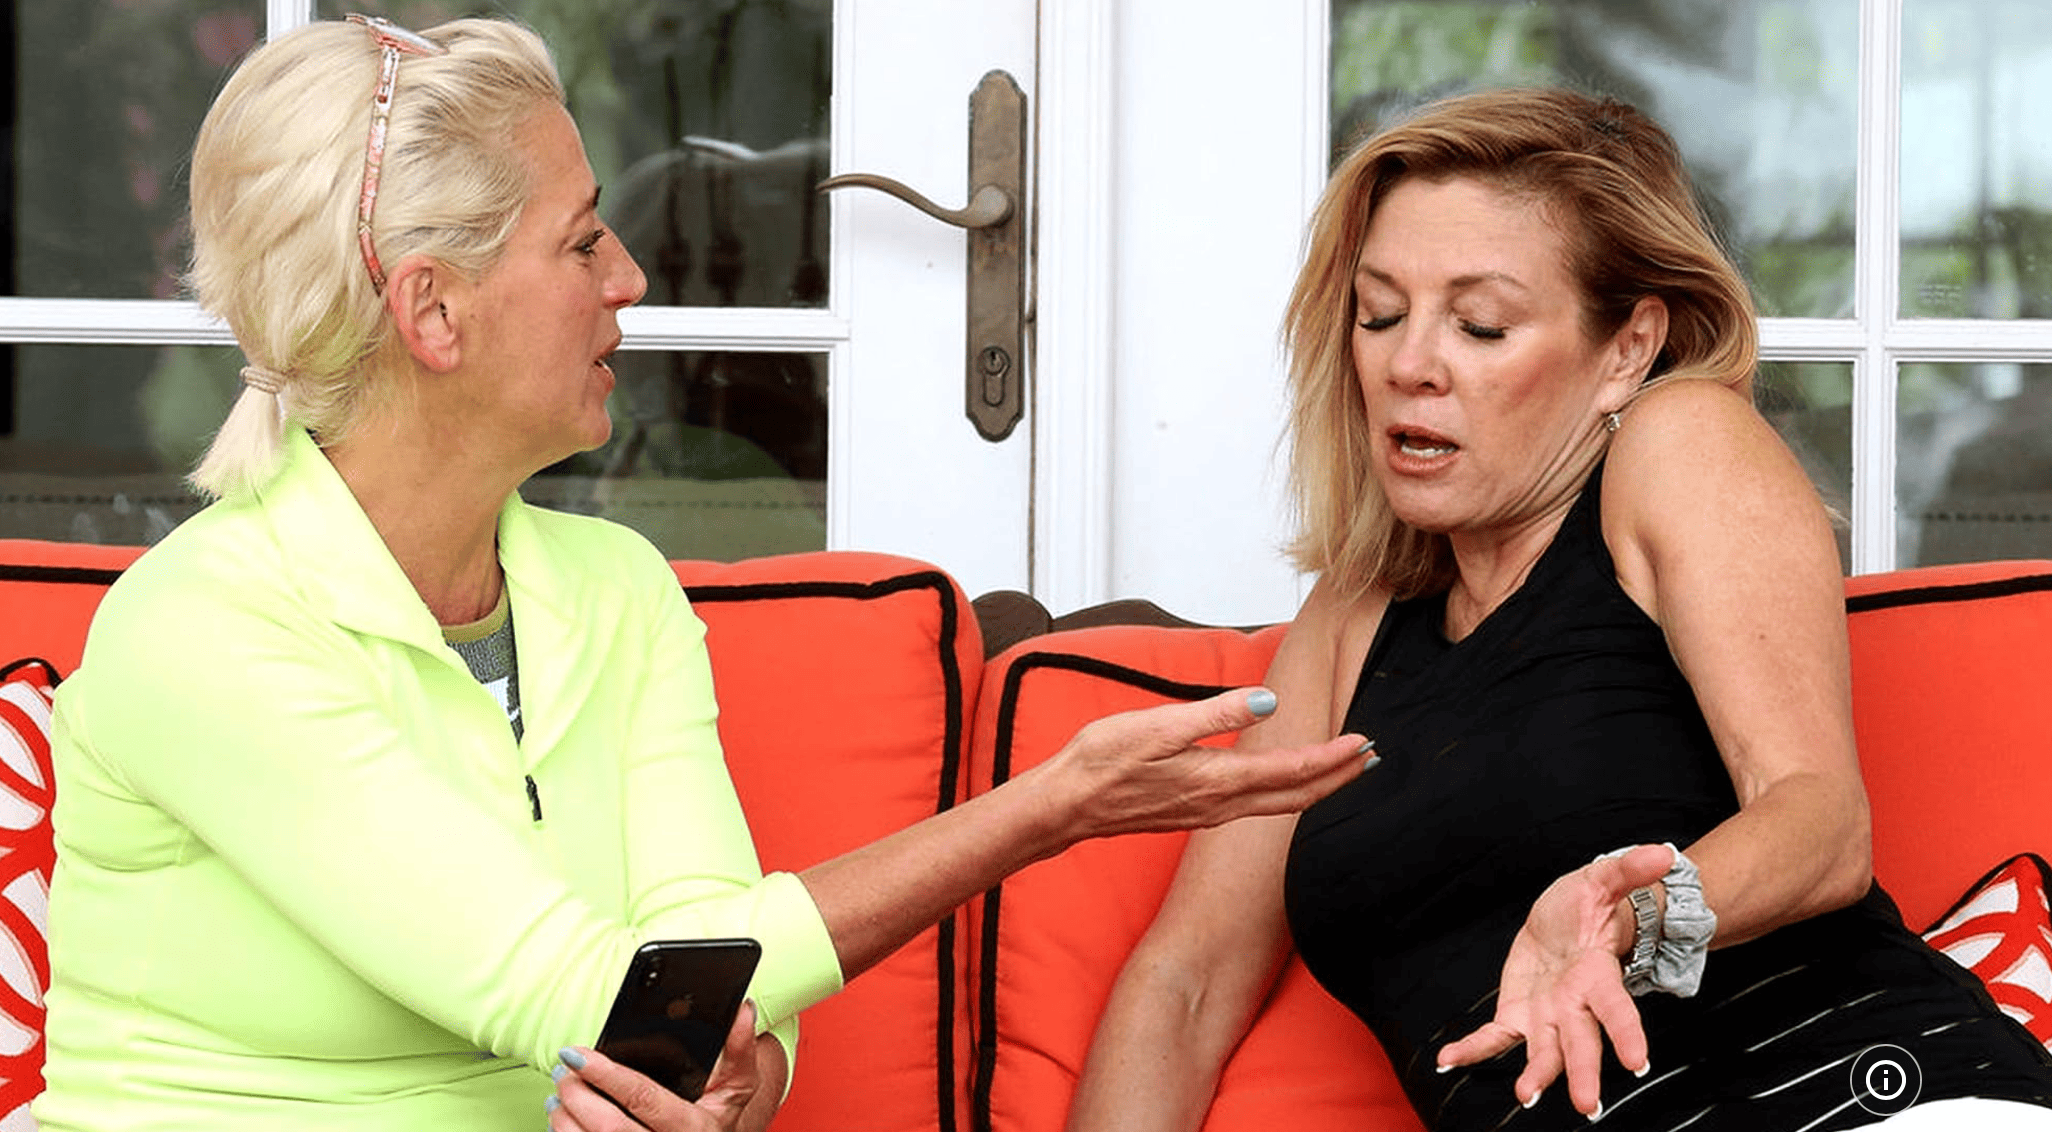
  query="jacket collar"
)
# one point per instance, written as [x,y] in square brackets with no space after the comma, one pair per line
[340,564]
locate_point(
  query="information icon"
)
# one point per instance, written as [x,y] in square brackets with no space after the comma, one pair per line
[1886,1079]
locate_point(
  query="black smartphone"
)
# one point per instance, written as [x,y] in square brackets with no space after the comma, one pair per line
[675,1007]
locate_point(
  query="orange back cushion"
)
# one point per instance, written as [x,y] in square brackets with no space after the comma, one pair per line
[48,592]
[844,683]
[1050,940]
[1952,705]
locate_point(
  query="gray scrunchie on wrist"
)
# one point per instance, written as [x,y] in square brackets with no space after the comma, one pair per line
[1686,927]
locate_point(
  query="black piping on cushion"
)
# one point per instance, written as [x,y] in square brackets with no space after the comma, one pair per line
[1000,772]
[1974,889]
[1932,595]
[74,575]
[951,759]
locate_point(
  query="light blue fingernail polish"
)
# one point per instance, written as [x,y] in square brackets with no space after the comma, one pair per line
[1261,701]
[559,1072]
[550,1106]
[1373,762]
[1364,748]
[570,1057]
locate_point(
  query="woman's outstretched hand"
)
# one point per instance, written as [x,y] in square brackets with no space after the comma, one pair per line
[1563,986]
[734,1082]
[1143,771]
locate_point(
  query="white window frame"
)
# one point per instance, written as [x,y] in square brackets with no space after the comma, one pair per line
[1877,340]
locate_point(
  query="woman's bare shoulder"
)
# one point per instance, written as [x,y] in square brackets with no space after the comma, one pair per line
[1696,475]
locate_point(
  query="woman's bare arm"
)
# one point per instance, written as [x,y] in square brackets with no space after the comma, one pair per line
[1194,983]
[1750,595]
[1136,772]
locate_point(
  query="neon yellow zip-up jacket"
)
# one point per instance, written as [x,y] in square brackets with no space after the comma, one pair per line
[300,883]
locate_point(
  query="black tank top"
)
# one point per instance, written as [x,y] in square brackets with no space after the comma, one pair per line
[1557,730]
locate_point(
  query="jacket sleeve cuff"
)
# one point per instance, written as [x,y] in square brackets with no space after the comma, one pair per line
[799,965]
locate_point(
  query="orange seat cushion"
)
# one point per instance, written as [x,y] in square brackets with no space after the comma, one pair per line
[1052,938]
[844,683]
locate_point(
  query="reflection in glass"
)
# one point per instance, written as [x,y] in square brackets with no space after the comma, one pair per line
[713,455]
[1761,95]
[101,438]
[1976,160]
[1810,405]
[106,97]
[1973,462]
[716,455]
[706,124]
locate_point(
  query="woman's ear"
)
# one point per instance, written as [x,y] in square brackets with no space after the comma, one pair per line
[1634,349]
[417,294]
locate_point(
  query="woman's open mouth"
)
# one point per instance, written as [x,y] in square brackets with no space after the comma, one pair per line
[1422,445]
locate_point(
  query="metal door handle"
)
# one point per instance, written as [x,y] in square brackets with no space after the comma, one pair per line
[994,371]
[988,206]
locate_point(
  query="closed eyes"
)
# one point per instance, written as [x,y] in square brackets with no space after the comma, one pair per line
[1472,329]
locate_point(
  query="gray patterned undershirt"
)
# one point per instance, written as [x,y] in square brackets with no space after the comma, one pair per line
[486,647]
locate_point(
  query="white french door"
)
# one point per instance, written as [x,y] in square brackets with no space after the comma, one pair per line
[908,471]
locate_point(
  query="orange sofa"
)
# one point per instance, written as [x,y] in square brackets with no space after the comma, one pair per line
[857,696]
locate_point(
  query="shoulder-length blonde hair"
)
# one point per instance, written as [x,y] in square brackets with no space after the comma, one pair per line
[276,174]
[1610,179]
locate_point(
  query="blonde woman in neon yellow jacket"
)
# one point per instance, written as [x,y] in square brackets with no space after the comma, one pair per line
[372,776]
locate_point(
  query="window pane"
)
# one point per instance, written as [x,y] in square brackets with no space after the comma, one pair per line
[1976,159]
[1762,96]
[104,99]
[97,439]
[714,455]
[1810,405]
[706,124]
[1973,462]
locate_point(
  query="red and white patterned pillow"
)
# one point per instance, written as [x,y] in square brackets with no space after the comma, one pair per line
[26,859]
[2002,931]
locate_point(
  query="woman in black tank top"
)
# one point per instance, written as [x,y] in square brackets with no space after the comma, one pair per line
[1614,861]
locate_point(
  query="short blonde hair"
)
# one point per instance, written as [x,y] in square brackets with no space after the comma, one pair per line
[1610,179]
[276,174]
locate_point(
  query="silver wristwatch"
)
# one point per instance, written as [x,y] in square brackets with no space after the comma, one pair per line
[1638,970]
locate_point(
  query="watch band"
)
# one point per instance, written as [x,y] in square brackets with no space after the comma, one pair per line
[1638,970]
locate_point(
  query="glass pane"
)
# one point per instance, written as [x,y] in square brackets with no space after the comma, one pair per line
[1976,159]
[96,440]
[714,455]
[1973,462]
[104,98]
[1761,95]
[706,123]
[1810,405]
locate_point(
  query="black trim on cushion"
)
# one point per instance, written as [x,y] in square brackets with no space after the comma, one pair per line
[74,575]
[1931,595]
[1000,773]
[951,759]
[1974,889]
[52,676]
